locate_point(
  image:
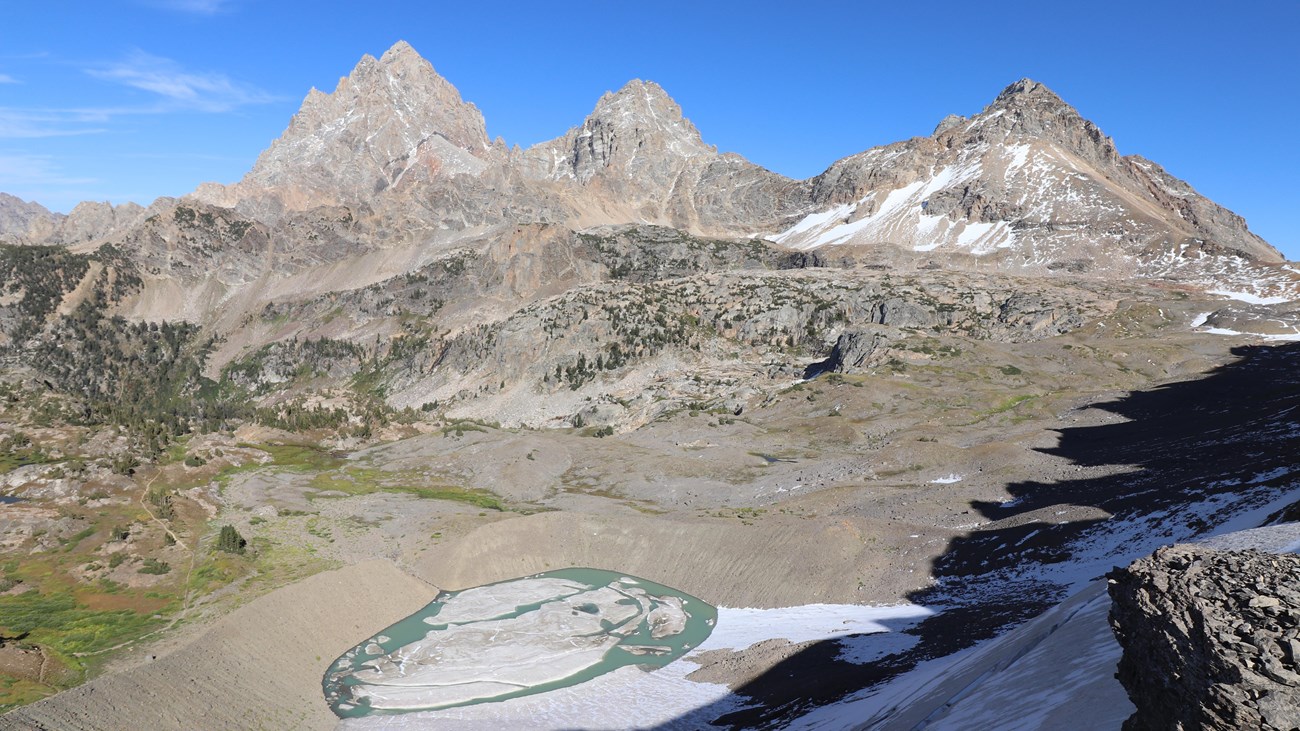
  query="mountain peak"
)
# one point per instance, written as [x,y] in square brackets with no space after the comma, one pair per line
[1031,101]
[388,116]
[642,110]
[401,66]
[638,88]
[1027,89]
[640,102]
[1028,109]
[399,51]
[1030,104]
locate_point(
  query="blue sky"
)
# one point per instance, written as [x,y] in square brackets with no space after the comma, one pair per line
[134,99]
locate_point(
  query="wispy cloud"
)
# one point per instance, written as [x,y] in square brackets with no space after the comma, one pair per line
[34,170]
[173,89]
[193,7]
[37,123]
[179,87]
[7,79]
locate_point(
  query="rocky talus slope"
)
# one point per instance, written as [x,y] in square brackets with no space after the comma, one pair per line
[1211,639]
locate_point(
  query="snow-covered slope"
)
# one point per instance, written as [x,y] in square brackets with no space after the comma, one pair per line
[1028,177]
[1056,672]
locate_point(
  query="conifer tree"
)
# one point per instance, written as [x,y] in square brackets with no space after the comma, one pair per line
[230,541]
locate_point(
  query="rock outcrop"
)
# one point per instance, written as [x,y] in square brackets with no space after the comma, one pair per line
[1211,639]
[859,349]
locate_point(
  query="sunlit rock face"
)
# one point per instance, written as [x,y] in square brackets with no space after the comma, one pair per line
[515,638]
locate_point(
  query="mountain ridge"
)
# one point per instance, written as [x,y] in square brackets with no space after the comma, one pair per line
[1026,184]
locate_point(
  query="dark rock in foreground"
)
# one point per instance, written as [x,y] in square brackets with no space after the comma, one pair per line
[1211,639]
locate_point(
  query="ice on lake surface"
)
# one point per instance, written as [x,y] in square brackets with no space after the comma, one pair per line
[515,638]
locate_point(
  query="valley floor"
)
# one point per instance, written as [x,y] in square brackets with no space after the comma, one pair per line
[986,507]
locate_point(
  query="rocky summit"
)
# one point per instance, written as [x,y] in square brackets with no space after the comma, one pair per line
[896,410]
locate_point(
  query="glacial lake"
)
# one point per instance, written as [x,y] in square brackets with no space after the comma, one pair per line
[515,638]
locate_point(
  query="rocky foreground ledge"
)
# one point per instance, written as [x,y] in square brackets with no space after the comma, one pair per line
[1211,639]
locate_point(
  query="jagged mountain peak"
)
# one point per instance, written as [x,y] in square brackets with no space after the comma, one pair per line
[1026,90]
[637,133]
[402,86]
[403,63]
[400,50]
[18,217]
[13,205]
[637,91]
[1029,107]
[1027,111]
[644,106]
[390,116]
[1025,107]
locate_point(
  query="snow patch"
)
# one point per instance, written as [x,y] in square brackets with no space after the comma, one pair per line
[816,220]
[1253,299]
[973,232]
[897,215]
[741,628]
[1019,156]
[1279,337]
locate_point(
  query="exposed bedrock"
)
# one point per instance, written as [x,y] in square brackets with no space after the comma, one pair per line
[859,349]
[1211,639]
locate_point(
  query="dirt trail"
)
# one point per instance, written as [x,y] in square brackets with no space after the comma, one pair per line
[259,667]
[144,494]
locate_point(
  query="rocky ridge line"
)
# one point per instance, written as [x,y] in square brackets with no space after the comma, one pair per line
[396,166]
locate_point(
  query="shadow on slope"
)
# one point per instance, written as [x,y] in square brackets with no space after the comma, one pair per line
[1187,457]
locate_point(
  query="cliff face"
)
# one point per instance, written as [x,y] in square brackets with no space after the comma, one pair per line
[1211,639]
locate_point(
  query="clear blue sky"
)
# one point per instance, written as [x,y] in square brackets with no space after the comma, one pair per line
[134,99]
